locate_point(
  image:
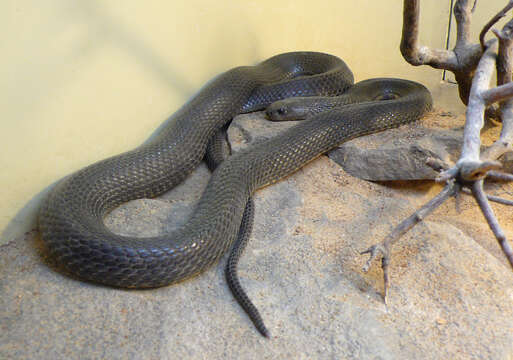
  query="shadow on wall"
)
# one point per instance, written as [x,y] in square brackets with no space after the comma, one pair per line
[102,30]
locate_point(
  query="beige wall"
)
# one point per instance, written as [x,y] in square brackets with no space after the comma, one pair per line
[82,80]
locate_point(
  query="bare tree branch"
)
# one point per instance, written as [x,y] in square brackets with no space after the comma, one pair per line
[498,93]
[504,76]
[462,60]
[479,194]
[499,176]
[410,48]
[493,198]
[383,249]
[492,22]
[463,15]
[469,166]
[476,106]
[472,65]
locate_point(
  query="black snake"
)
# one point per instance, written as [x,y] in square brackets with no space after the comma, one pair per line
[71,218]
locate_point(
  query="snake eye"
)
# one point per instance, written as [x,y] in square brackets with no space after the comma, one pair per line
[281,111]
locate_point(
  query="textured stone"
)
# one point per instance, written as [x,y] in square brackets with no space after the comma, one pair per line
[247,130]
[398,154]
[451,294]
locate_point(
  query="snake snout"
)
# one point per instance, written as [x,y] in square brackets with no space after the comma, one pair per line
[276,112]
[285,110]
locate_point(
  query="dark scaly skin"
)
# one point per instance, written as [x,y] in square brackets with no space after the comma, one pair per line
[231,269]
[218,150]
[297,108]
[71,218]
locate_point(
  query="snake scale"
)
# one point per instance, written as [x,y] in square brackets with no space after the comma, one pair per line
[71,217]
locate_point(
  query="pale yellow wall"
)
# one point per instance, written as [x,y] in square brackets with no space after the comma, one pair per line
[82,80]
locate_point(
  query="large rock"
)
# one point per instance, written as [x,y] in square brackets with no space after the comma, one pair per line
[451,294]
[397,155]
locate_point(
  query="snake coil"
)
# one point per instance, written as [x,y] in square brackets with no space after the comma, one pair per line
[71,218]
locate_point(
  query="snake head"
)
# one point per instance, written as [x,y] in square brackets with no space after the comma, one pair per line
[276,112]
[287,109]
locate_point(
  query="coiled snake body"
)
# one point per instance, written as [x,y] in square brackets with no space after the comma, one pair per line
[71,219]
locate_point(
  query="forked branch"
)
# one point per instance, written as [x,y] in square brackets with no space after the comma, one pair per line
[473,65]
[461,60]
[383,249]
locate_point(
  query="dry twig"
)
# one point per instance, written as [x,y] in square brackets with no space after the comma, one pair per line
[383,249]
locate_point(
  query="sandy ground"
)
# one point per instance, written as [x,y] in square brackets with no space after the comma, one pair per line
[451,294]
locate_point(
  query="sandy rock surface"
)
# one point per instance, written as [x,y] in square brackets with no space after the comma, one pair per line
[451,294]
